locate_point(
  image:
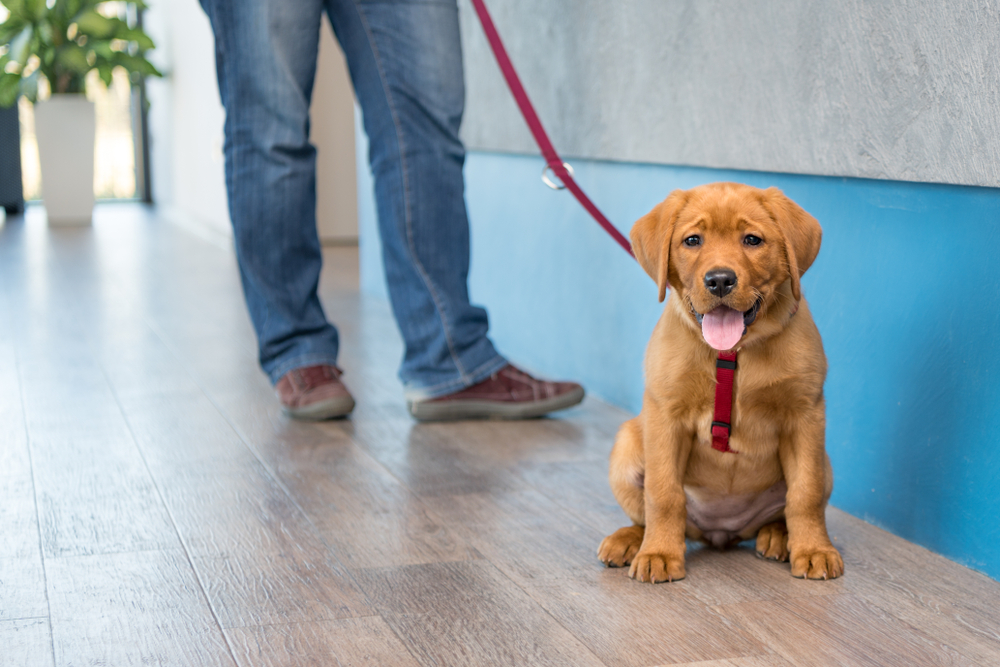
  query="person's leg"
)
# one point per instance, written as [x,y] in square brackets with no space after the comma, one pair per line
[406,64]
[266,61]
[405,59]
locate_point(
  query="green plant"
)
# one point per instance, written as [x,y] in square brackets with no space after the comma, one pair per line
[63,40]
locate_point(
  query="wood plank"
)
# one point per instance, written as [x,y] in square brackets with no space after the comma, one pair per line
[354,642]
[752,661]
[366,516]
[94,492]
[15,461]
[18,522]
[132,609]
[254,413]
[179,431]
[22,588]
[95,496]
[425,457]
[466,457]
[262,589]
[952,603]
[139,366]
[476,541]
[467,613]
[552,556]
[739,575]
[361,511]
[26,643]
[259,559]
[840,630]
[22,577]
[581,488]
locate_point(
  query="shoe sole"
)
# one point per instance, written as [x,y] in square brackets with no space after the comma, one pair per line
[336,407]
[427,411]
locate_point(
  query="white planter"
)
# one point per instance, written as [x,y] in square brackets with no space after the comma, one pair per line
[65,127]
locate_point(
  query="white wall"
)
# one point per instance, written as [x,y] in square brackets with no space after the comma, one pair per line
[333,133]
[186,119]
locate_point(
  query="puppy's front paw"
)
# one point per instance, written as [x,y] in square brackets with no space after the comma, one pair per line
[822,563]
[618,548]
[657,568]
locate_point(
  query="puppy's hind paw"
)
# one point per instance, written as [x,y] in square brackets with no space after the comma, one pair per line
[618,549]
[772,541]
[657,568]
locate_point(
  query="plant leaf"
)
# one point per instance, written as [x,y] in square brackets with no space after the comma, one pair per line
[102,49]
[10,88]
[36,31]
[35,9]
[105,69]
[20,46]
[93,24]
[10,28]
[135,35]
[43,35]
[15,7]
[72,57]
[136,64]
[73,8]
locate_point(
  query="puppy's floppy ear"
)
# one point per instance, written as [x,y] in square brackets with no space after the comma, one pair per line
[651,238]
[802,234]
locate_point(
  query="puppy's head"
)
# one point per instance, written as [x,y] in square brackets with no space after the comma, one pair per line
[731,252]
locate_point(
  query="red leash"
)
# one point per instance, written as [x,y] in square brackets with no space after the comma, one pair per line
[552,158]
[726,364]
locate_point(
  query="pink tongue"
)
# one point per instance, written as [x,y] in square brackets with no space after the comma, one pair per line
[722,328]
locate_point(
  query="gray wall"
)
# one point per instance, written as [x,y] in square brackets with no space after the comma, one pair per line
[906,90]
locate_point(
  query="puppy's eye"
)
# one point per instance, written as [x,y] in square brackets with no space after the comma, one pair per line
[750,239]
[692,241]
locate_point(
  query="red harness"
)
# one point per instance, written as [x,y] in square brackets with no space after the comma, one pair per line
[725,370]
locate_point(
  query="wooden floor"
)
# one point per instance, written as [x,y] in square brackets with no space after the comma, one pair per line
[157,509]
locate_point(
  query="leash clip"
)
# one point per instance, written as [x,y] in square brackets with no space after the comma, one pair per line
[552,184]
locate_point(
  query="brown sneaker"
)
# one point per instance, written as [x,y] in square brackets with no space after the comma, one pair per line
[314,393]
[507,394]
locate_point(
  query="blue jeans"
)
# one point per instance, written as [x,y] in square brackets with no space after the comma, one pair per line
[405,61]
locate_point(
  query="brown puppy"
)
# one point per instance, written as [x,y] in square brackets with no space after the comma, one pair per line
[733,255]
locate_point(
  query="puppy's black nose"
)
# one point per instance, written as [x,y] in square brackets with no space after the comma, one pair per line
[720,282]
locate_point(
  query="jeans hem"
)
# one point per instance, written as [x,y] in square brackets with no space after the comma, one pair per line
[299,362]
[476,376]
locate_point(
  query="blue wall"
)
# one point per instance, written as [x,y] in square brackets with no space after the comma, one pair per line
[903,291]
